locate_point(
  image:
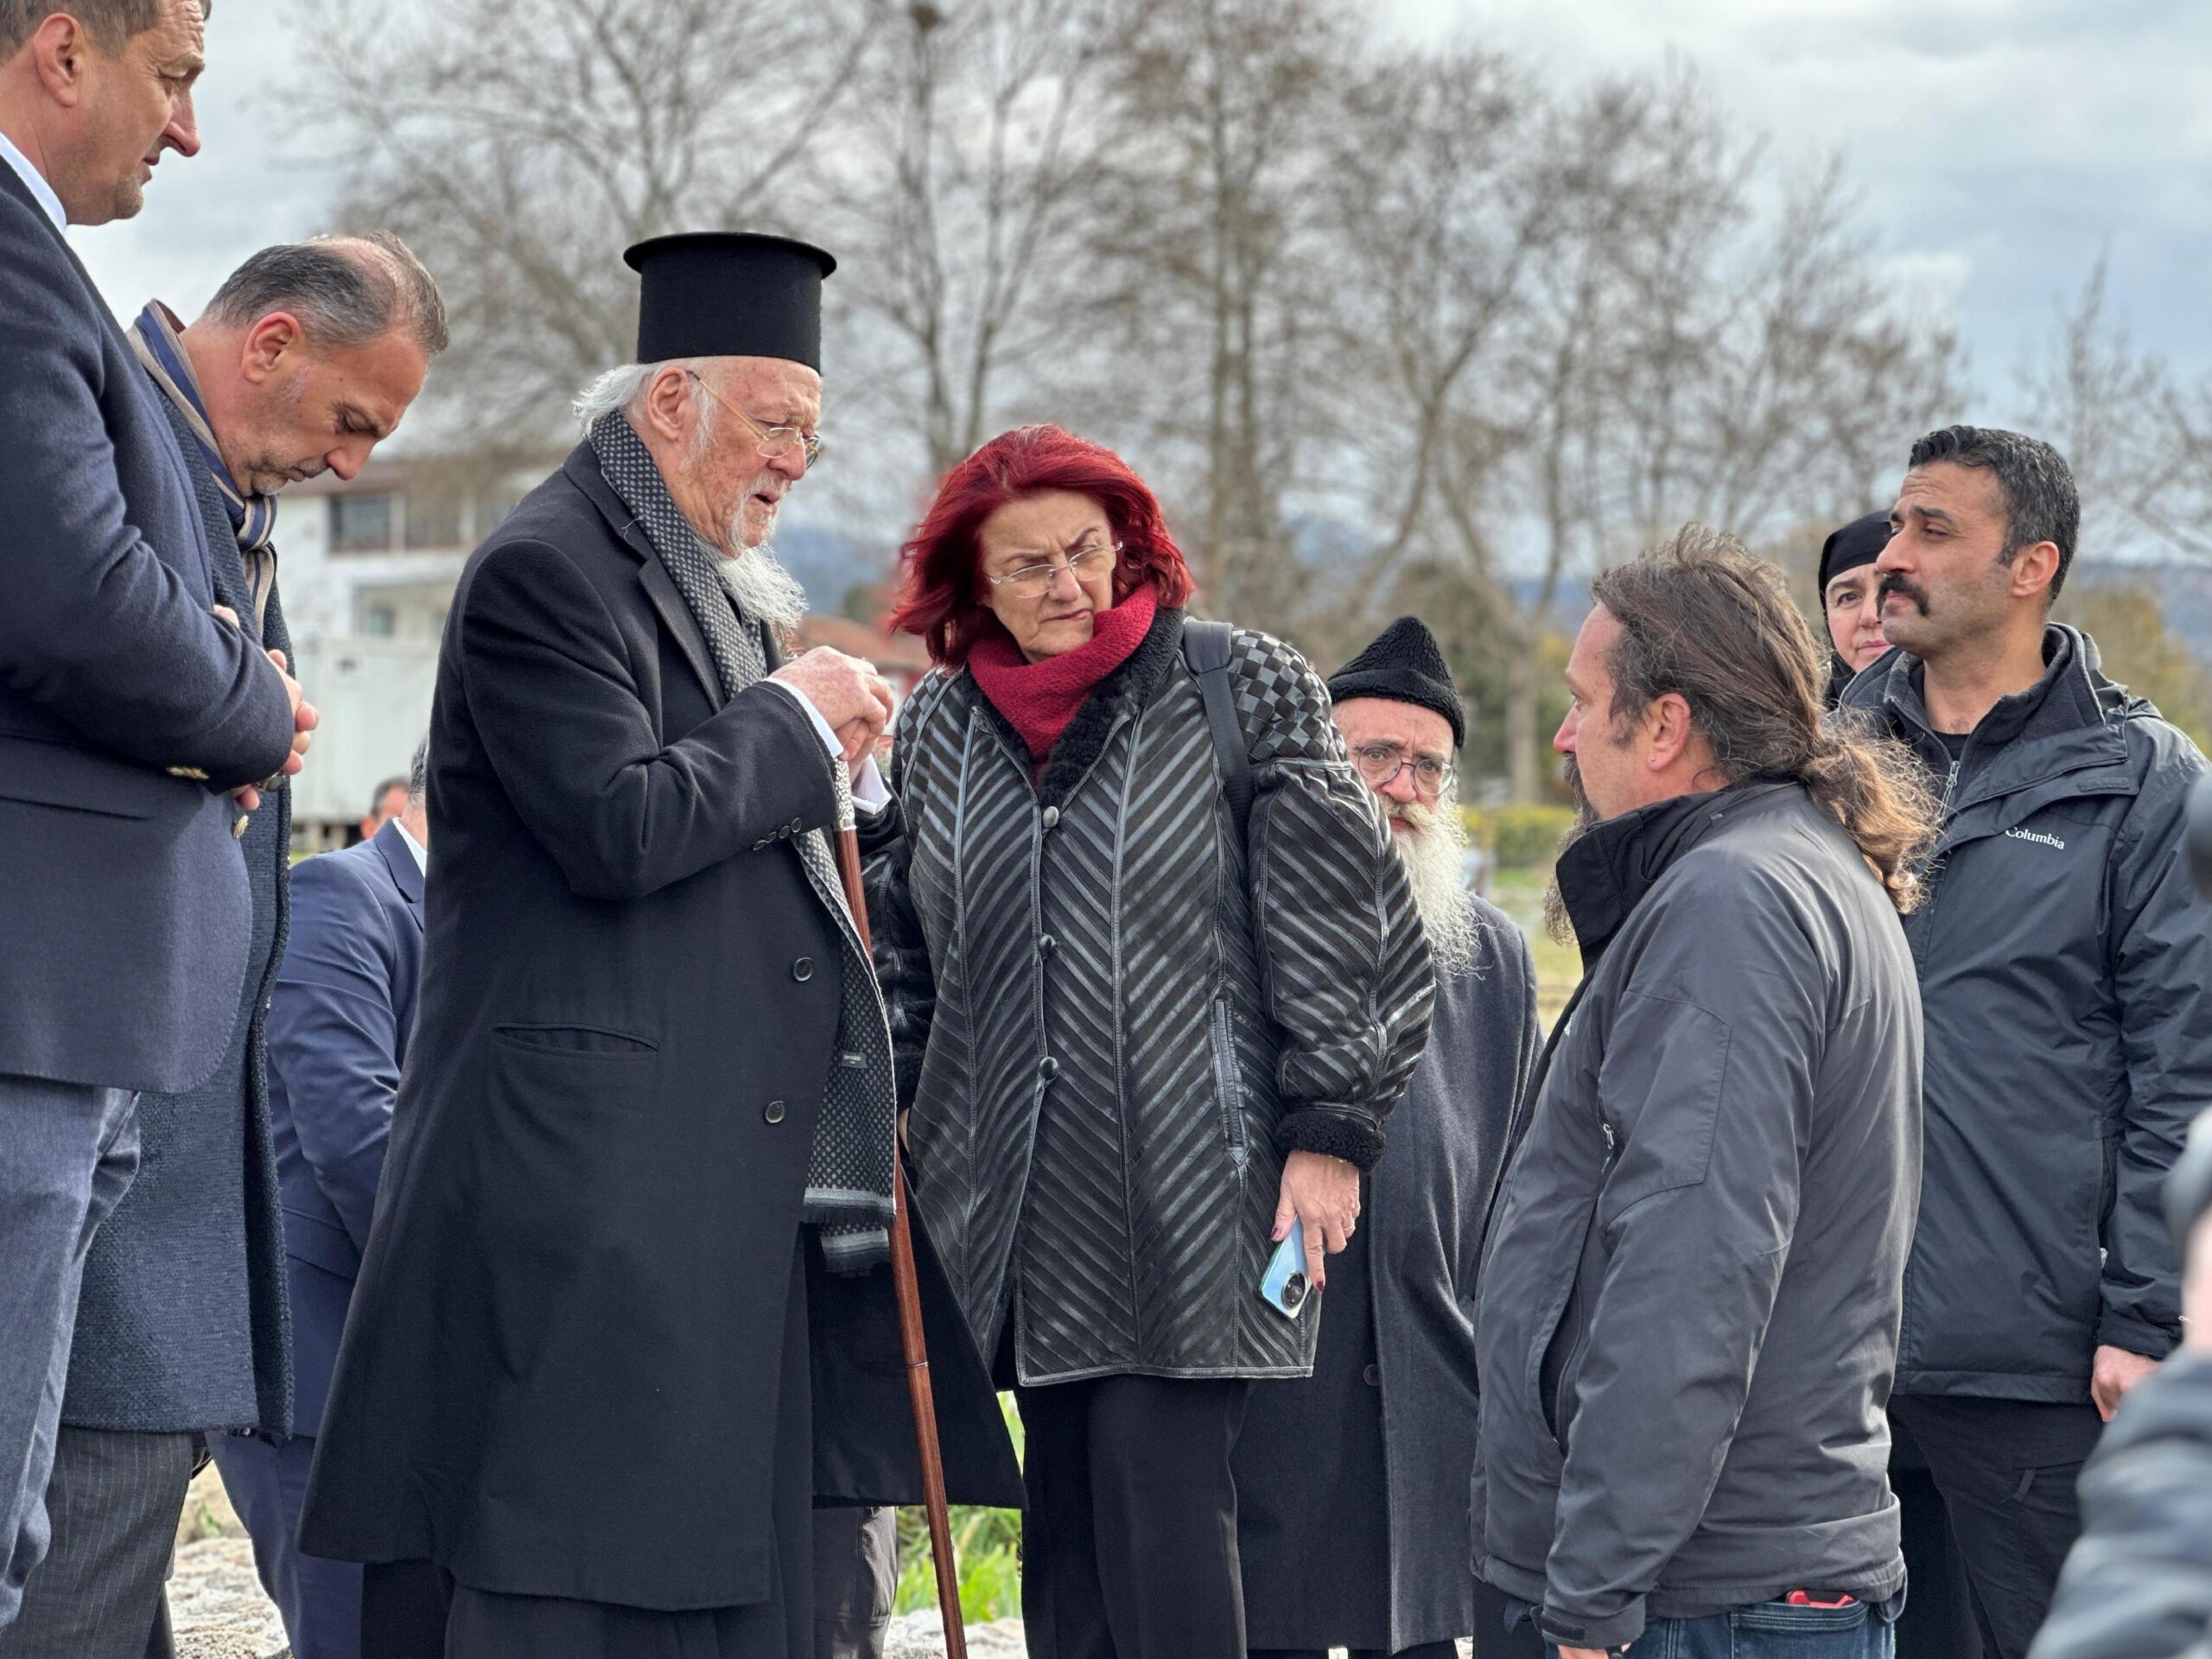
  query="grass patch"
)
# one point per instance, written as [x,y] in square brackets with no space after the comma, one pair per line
[1519,892]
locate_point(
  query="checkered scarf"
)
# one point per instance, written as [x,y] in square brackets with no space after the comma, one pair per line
[849,1174]
[157,337]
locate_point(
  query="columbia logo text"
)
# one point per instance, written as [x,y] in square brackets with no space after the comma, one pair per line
[2038,835]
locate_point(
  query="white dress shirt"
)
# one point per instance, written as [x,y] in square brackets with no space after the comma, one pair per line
[35,181]
[421,853]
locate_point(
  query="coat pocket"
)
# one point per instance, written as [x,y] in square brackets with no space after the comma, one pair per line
[1229,1083]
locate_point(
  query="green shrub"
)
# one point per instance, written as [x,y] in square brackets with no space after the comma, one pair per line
[1519,836]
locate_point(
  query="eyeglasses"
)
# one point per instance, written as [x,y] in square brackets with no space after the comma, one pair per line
[773,440]
[1035,580]
[1381,763]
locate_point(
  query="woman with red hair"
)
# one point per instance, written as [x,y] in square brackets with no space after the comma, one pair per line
[1143,1029]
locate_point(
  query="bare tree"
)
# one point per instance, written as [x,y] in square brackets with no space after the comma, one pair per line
[519,145]
[1213,279]
[2139,444]
[962,195]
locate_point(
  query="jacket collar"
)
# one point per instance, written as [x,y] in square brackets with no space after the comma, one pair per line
[582,469]
[406,875]
[1604,873]
[1117,697]
[2068,719]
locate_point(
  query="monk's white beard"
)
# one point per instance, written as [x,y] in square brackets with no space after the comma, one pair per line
[1433,855]
[763,590]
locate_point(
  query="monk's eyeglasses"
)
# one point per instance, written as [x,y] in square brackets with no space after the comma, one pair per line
[772,441]
[1380,763]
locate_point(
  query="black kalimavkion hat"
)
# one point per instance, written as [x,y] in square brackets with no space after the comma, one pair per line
[729,293]
[1404,665]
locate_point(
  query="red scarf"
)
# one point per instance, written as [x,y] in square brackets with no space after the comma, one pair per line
[1039,699]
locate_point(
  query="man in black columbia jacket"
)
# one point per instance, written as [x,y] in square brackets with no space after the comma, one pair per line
[2067,989]
[1690,1291]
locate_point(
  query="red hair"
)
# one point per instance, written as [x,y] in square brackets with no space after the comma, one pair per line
[937,590]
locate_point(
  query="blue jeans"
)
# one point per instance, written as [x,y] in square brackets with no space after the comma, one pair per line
[67,1154]
[1771,1630]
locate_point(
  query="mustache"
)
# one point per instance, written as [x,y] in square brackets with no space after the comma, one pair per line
[1572,773]
[1897,583]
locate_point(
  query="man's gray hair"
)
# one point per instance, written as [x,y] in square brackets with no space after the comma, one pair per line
[112,21]
[418,769]
[617,391]
[346,290]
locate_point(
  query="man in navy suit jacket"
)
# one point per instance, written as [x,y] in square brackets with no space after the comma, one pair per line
[338,1026]
[129,713]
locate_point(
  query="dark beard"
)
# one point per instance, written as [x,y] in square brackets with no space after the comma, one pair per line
[1557,922]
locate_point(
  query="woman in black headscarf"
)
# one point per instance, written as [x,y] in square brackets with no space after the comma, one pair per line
[1849,598]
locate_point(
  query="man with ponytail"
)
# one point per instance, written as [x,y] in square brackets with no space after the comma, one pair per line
[1691,1283]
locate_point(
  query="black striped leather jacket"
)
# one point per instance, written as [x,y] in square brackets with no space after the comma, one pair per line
[1112,1022]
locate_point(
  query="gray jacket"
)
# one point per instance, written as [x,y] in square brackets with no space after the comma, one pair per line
[1691,1283]
[2139,1585]
[1112,1021]
[184,1321]
[2066,973]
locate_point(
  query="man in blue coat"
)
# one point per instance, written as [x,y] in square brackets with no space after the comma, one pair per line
[130,712]
[337,1028]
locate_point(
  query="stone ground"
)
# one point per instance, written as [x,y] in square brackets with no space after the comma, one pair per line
[218,1609]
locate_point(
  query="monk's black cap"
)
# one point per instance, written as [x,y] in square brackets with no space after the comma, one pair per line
[1405,665]
[1860,541]
[729,293]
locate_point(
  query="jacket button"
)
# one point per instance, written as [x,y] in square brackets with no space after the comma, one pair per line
[1046,945]
[803,969]
[1048,1068]
[775,1111]
[1051,816]
[798,824]
[1372,1376]
[238,829]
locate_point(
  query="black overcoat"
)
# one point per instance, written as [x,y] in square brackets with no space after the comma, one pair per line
[559,1374]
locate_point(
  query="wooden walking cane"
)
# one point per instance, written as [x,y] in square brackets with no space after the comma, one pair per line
[919,1391]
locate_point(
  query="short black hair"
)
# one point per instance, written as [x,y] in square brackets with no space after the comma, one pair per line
[2041,504]
[384,789]
[418,769]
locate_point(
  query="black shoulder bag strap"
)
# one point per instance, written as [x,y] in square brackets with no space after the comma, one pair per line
[1206,652]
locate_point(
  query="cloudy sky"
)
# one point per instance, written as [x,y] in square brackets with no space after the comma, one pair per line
[2001,146]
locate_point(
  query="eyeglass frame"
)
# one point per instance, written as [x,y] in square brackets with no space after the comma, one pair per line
[1445,778]
[1052,571]
[810,444]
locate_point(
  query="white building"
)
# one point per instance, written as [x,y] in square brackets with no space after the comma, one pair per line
[367,569]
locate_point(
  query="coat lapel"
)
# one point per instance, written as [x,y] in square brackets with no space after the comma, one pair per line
[583,468]
[406,875]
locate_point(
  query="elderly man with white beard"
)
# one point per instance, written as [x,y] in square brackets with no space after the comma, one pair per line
[1363,1469]
[626,1314]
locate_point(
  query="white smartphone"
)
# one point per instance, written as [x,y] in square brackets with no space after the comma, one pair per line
[1284,1287]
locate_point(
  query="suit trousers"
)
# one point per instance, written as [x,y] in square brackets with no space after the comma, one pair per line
[856,1580]
[320,1600]
[115,1498]
[2007,1471]
[67,1153]
[1129,1545]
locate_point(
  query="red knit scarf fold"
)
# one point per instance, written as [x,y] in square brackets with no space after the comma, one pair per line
[1039,699]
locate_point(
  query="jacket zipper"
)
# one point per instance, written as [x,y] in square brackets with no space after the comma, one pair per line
[1230,1085]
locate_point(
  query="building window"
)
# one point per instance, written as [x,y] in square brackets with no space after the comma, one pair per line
[379,621]
[433,521]
[361,523]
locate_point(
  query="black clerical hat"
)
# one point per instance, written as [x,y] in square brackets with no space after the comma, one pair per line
[1404,665]
[1860,541]
[729,293]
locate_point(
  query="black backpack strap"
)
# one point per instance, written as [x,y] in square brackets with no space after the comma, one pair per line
[1206,652]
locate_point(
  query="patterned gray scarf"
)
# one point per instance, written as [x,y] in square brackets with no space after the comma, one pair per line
[848,1175]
